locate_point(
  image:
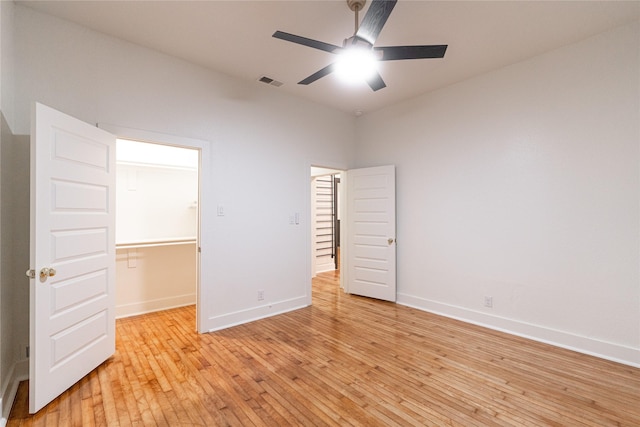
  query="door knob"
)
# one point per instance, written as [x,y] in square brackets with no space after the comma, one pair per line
[391,240]
[47,272]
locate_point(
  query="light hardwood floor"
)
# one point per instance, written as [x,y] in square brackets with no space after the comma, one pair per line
[346,360]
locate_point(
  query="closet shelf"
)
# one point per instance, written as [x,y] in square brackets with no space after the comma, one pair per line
[156,242]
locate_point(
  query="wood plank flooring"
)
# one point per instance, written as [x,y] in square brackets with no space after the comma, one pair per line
[346,360]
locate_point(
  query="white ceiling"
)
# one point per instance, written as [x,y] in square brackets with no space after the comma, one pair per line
[234,37]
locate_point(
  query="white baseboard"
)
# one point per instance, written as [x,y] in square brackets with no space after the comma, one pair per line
[325,267]
[134,309]
[18,372]
[602,349]
[254,313]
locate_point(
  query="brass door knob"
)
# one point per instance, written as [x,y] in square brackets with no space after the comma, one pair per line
[47,272]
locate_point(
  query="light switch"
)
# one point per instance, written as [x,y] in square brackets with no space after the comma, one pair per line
[220,210]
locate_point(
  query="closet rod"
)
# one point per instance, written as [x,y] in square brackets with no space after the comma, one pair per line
[155,243]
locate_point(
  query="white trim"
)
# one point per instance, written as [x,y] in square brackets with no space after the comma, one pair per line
[344,234]
[593,347]
[154,166]
[318,265]
[329,267]
[312,224]
[206,213]
[342,169]
[137,308]
[19,372]
[256,313]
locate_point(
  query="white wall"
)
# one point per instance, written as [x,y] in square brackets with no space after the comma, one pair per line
[2,282]
[14,313]
[155,203]
[262,145]
[155,278]
[522,184]
[14,250]
[7,69]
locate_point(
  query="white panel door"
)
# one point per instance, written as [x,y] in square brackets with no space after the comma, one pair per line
[72,296]
[371,228]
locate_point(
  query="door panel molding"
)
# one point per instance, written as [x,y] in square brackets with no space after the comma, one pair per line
[370,268]
[72,296]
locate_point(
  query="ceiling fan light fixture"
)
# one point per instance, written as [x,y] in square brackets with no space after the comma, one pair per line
[356,65]
[358,58]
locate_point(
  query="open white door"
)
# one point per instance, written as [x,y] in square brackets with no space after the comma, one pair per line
[371,230]
[72,291]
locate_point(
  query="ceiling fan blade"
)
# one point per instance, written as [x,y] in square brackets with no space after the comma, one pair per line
[393,53]
[327,47]
[376,82]
[317,75]
[375,19]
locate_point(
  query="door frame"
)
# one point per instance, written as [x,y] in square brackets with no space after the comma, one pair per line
[325,172]
[204,183]
[343,243]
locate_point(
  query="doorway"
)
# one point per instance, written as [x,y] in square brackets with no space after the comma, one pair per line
[326,215]
[157,221]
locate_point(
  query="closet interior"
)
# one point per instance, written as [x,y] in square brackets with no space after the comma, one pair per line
[156,227]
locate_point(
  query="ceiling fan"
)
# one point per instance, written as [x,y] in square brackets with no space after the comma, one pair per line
[363,41]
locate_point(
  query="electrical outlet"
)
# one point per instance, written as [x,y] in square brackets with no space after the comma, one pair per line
[488,301]
[261,295]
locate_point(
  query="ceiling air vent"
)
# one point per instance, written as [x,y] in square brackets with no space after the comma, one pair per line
[270,81]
